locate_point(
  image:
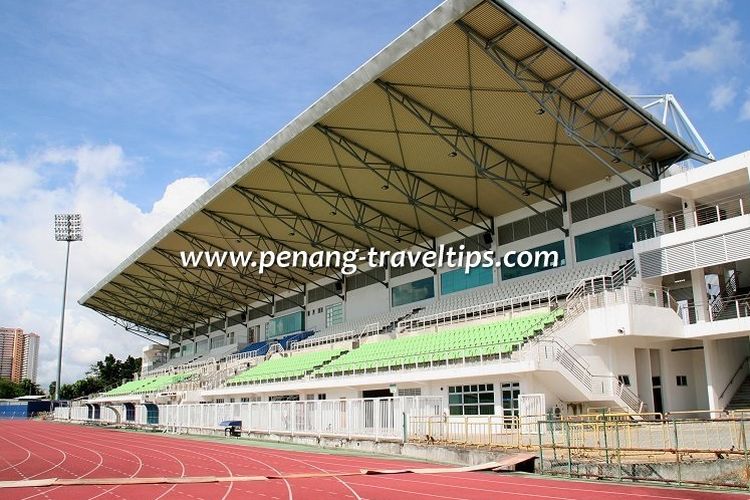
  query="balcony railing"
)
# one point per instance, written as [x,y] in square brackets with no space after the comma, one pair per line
[703,215]
[734,308]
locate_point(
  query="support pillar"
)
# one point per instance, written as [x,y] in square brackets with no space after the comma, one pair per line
[697,276]
[713,384]
[666,374]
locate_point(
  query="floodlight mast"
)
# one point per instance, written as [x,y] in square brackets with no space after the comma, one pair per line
[67,229]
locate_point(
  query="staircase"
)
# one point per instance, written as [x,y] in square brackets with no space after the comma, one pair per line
[741,398]
[550,351]
[719,303]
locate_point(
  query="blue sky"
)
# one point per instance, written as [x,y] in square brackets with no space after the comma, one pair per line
[127,110]
[189,88]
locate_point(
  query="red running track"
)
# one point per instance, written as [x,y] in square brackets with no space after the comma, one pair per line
[37,450]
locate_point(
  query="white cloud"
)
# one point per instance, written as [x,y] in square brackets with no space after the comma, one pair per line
[693,14]
[722,50]
[16,179]
[94,164]
[215,157]
[745,109]
[31,262]
[722,95]
[597,32]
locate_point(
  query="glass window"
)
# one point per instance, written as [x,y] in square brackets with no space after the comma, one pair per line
[201,345]
[510,392]
[285,324]
[334,314]
[471,400]
[518,271]
[216,342]
[413,292]
[457,280]
[608,240]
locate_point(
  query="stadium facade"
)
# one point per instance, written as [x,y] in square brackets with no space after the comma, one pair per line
[476,128]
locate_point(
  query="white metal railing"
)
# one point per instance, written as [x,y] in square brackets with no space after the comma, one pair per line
[495,352]
[734,308]
[553,352]
[190,365]
[241,355]
[377,418]
[369,329]
[673,222]
[719,302]
[509,306]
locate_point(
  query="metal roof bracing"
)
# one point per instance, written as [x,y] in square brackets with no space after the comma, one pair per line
[471,113]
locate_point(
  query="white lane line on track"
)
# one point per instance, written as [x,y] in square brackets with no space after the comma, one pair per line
[41,458]
[15,465]
[110,490]
[46,491]
[283,457]
[408,492]
[603,490]
[229,471]
[534,484]
[286,482]
[161,469]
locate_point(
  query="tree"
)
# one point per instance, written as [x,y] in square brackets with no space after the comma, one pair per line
[29,388]
[111,371]
[10,389]
[102,375]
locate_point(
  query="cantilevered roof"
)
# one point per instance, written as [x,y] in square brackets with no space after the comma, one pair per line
[471,113]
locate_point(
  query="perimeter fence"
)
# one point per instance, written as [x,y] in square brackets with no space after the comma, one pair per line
[684,448]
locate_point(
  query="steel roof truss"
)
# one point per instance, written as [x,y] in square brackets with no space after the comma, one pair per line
[489,163]
[316,234]
[423,195]
[260,242]
[364,217]
[134,328]
[568,112]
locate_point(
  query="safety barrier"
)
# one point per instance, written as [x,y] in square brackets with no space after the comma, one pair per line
[507,308]
[377,418]
[621,446]
[735,206]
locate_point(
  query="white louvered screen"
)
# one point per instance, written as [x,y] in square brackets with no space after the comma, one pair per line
[696,254]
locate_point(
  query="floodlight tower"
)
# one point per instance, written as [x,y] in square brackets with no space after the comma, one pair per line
[67,229]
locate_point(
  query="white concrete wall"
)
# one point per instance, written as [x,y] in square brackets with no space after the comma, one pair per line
[315,317]
[367,301]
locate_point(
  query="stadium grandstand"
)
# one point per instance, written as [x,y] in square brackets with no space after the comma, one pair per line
[472,128]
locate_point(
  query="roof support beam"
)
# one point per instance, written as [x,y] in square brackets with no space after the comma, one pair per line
[219,286]
[166,285]
[260,242]
[142,331]
[505,173]
[317,235]
[128,314]
[148,299]
[226,280]
[423,195]
[596,137]
[378,225]
[259,283]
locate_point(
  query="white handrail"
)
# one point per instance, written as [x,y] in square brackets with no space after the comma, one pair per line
[368,329]
[486,310]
